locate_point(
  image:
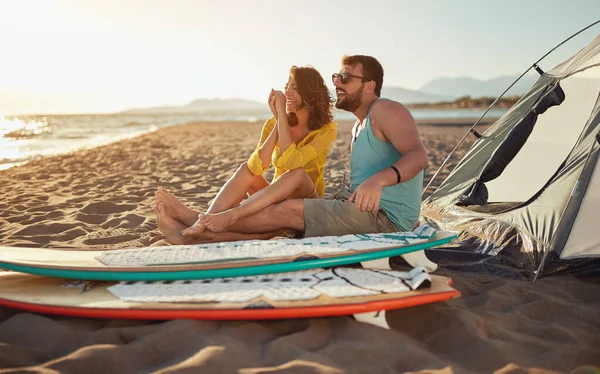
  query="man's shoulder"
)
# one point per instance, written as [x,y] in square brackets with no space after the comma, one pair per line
[386,108]
[385,105]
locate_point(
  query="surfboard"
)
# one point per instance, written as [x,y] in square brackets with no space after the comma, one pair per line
[304,294]
[227,259]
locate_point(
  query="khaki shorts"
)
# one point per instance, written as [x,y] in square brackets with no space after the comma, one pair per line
[338,216]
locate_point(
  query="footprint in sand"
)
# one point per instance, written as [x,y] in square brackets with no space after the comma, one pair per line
[127,222]
[12,216]
[133,196]
[54,215]
[42,176]
[43,208]
[45,229]
[23,176]
[106,207]
[77,200]
[69,235]
[113,236]
[94,219]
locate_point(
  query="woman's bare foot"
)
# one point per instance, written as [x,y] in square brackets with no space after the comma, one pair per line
[196,229]
[174,207]
[219,222]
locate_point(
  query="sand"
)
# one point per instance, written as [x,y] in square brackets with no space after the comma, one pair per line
[100,198]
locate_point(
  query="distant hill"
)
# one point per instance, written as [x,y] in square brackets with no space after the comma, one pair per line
[202,105]
[475,88]
[407,96]
[213,105]
[466,86]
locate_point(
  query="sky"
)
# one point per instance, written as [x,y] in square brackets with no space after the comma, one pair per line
[99,56]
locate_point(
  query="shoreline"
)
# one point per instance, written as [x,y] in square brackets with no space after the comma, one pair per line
[445,122]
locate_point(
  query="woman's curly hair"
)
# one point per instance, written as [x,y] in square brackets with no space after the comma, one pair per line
[315,95]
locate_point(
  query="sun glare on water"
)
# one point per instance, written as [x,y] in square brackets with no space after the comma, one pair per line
[16,133]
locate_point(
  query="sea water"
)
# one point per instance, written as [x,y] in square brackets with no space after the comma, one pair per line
[23,138]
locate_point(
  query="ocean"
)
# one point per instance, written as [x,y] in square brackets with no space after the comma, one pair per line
[27,137]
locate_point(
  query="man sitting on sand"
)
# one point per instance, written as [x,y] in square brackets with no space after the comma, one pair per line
[386,175]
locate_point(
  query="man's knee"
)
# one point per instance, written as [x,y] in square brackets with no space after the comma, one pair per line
[292,210]
[287,206]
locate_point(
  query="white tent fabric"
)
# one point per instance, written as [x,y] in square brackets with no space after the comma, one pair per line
[549,144]
[584,239]
[529,188]
[585,59]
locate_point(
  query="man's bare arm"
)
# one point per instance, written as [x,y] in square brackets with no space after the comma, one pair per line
[394,122]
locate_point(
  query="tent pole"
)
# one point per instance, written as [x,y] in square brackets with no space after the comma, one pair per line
[472,129]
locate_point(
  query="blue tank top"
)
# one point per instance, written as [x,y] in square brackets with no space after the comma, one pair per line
[401,202]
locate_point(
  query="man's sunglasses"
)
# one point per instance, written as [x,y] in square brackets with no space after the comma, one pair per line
[345,77]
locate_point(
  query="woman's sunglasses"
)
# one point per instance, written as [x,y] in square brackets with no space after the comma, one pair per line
[345,77]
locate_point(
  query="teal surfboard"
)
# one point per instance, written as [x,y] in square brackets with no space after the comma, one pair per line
[218,260]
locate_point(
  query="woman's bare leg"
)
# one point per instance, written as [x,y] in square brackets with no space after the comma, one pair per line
[230,195]
[293,184]
[235,189]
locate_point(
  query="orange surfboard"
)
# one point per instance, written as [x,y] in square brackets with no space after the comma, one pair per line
[313,293]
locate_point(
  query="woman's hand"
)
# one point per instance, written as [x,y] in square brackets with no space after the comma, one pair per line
[279,102]
[271,102]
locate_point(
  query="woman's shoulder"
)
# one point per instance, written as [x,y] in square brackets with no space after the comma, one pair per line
[328,130]
[329,126]
[325,129]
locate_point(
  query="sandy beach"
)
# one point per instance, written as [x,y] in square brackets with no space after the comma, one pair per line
[101,198]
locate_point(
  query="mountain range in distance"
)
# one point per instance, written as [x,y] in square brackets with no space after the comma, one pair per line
[220,104]
[435,91]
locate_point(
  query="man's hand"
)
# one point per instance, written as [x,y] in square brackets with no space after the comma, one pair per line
[367,195]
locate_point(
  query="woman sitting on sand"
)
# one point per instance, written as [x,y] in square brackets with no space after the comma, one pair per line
[296,140]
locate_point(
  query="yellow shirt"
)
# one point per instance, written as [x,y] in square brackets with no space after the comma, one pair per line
[309,154]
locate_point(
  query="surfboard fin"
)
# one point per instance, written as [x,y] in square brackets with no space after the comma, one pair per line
[418,258]
[380,263]
[373,318]
[414,259]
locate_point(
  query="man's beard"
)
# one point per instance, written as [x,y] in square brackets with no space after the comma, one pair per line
[351,102]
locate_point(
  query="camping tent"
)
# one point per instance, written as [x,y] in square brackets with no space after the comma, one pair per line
[527,193]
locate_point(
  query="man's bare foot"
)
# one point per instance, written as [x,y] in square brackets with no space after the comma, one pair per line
[174,207]
[219,222]
[169,226]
